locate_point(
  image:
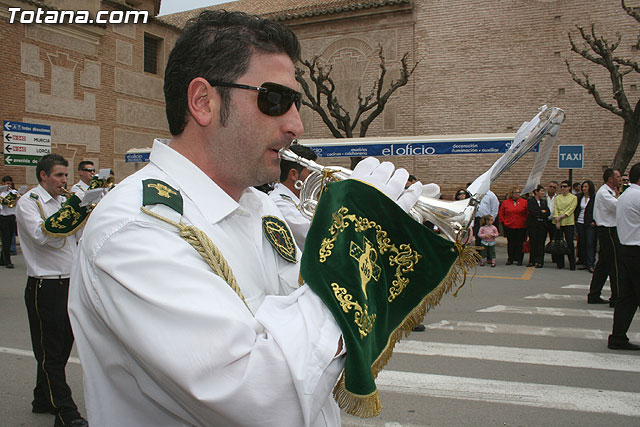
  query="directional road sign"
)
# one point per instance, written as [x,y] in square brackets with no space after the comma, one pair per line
[570,156]
[25,143]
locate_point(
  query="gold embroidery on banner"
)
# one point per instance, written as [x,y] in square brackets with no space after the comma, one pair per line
[366,258]
[163,190]
[65,213]
[404,259]
[363,319]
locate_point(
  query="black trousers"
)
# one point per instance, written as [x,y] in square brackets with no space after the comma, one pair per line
[476,228]
[629,297]
[537,236]
[568,232]
[608,264]
[52,339]
[515,239]
[551,230]
[7,229]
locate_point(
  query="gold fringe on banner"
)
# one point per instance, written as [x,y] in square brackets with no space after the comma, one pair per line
[366,406]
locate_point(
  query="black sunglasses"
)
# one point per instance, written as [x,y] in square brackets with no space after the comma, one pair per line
[273,99]
[89,170]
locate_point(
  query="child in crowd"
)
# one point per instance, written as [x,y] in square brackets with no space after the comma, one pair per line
[488,233]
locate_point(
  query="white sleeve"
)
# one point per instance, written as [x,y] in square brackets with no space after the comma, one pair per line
[207,355]
[297,222]
[30,221]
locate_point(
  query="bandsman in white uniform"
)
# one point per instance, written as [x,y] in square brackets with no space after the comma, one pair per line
[604,215]
[286,193]
[86,172]
[628,229]
[185,299]
[8,200]
[49,257]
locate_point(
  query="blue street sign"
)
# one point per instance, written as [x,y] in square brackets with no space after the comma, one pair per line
[570,156]
[400,148]
[140,157]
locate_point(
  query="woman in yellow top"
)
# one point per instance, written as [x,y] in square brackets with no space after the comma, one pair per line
[563,206]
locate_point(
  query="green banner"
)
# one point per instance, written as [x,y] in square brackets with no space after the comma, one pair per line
[378,271]
[21,160]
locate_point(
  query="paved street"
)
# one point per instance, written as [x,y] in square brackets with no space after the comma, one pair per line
[517,347]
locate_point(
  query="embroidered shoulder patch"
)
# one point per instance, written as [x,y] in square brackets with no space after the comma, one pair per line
[34,196]
[278,234]
[156,192]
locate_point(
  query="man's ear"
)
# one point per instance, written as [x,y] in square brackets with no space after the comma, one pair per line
[202,101]
[293,174]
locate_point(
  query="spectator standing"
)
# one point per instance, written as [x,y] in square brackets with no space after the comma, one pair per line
[513,215]
[604,215]
[628,230]
[624,183]
[286,193]
[86,172]
[585,226]
[8,200]
[488,233]
[564,206]
[576,189]
[489,205]
[49,260]
[537,214]
[463,194]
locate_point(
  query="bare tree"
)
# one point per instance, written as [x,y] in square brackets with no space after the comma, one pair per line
[598,50]
[322,97]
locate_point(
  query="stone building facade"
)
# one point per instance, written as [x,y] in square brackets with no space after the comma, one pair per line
[484,66]
[86,81]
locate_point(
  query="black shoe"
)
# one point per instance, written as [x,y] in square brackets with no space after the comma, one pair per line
[572,268]
[78,422]
[625,346]
[531,264]
[559,267]
[539,265]
[583,267]
[518,262]
[419,328]
[612,303]
[597,301]
[508,262]
[590,270]
[11,266]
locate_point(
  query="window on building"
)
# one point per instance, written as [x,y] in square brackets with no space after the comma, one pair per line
[152,46]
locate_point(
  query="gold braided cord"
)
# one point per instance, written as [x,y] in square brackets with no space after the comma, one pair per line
[207,250]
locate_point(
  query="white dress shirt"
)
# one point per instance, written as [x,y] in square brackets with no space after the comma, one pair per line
[79,188]
[489,205]
[45,256]
[164,341]
[604,207]
[628,216]
[550,201]
[289,203]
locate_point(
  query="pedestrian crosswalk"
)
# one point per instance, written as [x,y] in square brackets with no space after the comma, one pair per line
[548,317]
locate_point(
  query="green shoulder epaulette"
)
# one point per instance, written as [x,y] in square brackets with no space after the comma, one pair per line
[156,192]
[67,220]
[34,196]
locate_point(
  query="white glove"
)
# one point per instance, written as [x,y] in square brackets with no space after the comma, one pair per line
[389,180]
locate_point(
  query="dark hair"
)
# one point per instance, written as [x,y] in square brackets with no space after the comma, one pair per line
[567,182]
[608,173]
[592,188]
[634,173]
[84,163]
[485,219]
[286,165]
[461,191]
[217,45]
[48,162]
[538,188]
[575,184]
[412,178]
[6,178]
